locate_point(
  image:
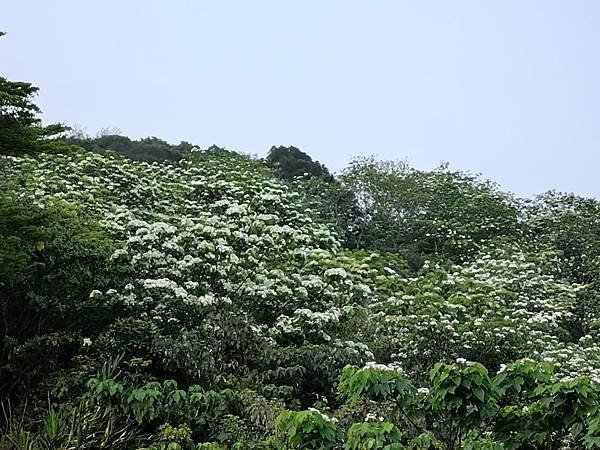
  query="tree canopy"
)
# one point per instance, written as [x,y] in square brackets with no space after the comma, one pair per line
[149,149]
[21,129]
[291,162]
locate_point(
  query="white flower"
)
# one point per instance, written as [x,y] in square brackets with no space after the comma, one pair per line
[324,416]
[423,391]
[118,253]
[87,342]
[236,209]
[461,361]
[393,367]
[336,272]
[160,283]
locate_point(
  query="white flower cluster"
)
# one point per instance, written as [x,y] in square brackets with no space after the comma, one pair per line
[220,234]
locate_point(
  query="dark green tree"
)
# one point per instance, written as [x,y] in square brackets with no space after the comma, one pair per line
[20,128]
[149,149]
[291,162]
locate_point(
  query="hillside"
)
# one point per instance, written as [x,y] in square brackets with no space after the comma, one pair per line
[159,296]
[179,303]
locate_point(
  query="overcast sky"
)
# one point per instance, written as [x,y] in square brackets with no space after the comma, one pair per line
[508,88]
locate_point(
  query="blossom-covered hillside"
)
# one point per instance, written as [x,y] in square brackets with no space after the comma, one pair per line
[205,303]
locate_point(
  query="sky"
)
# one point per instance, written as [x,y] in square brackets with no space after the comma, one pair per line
[506,88]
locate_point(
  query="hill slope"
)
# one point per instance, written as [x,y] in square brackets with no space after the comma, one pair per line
[196,301]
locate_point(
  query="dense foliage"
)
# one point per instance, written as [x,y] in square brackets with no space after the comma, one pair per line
[207,301]
[150,149]
[291,162]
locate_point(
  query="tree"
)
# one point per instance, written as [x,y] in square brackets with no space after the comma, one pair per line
[291,162]
[523,406]
[570,225]
[149,149]
[436,213]
[20,128]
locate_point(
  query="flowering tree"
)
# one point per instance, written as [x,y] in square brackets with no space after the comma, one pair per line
[204,303]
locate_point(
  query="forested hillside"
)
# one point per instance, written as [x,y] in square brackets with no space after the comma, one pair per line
[170,297]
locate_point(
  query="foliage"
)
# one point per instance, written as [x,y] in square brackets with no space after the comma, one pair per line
[363,436]
[150,149]
[331,202]
[184,298]
[523,405]
[20,128]
[308,429]
[446,213]
[291,162]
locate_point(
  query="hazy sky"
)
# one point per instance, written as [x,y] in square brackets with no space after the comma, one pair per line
[508,88]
